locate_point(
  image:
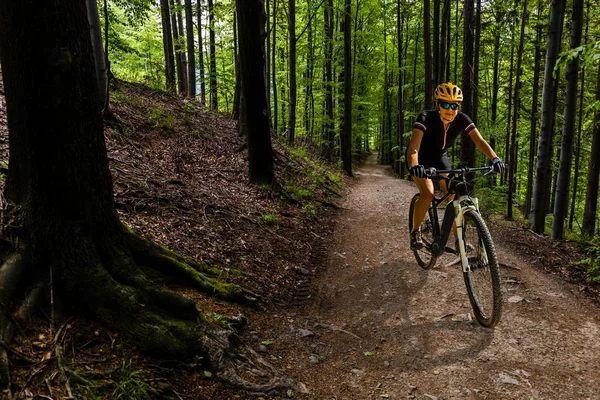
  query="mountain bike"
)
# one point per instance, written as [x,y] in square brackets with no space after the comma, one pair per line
[474,242]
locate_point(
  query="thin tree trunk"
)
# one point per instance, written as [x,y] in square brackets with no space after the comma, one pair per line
[201,54]
[579,128]
[427,52]
[561,202]
[99,58]
[544,156]
[534,111]
[588,227]
[467,146]
[182,37]
[476,63]
[495,87]
[189,24]
[437,63]
[512,165]
[414,71]
[274,67]
[214,101]
[177,45]
[399,166]
[346,138]
[328,148]
[509,106]
[168,45]
[444,42]
[237,94]
[292,69]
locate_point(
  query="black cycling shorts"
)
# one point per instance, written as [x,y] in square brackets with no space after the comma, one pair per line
[442,163]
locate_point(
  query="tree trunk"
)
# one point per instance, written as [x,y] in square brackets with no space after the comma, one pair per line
[544,155]
[292,69]
[437,64]
[71,235]
[99,58]
[399,166]
[189,25]
[588,227]
[561,200]
[237,92]
[427,52]
[213,57]
[201,55]
[444,47]
[476,64]
[346,138]
[534,112]
[328,147]
[512,165]
[274,66]
[509,106]
[182,39]
[268,59]
[579,128]
[168,45]
[467,146]
[178,49]
[60,178]
[251,20]
[495,89]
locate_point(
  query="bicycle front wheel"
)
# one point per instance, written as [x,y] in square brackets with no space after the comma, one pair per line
[423,255]
[482,277]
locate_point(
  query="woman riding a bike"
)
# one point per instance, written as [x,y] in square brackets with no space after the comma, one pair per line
[433,133]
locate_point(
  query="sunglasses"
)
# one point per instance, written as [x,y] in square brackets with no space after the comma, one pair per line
[445,105]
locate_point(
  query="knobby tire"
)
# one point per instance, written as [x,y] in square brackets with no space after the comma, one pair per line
[483,279]
[423,255]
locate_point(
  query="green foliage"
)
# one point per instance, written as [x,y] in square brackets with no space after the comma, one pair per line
[592,262]
[311,209]
[270,219]
[189,108]
[161,119]
[221,319]
[131,386]
[492,199]
[298,193]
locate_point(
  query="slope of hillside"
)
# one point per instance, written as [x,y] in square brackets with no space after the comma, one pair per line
[180,179]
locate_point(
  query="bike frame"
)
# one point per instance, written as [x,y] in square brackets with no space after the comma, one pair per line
[455,212]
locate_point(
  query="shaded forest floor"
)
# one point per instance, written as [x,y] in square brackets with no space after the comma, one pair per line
[179,174]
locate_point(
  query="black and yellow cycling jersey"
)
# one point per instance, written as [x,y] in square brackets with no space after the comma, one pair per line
[437,139]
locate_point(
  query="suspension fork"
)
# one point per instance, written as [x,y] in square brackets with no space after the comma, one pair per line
[461,206]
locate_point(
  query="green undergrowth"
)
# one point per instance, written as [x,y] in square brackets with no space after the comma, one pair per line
[314,182]
[592,262]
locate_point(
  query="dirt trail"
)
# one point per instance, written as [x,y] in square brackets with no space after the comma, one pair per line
[379,326]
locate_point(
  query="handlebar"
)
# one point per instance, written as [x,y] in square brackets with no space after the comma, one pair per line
[437,173]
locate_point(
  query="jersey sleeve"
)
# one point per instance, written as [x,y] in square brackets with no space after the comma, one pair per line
[466,123]
[420,122]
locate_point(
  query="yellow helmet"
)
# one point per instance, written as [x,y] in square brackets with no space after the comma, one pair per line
[448,92]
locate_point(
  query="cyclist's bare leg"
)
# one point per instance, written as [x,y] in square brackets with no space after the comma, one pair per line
[425,187]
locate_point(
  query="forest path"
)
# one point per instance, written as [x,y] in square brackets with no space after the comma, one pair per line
[382,327]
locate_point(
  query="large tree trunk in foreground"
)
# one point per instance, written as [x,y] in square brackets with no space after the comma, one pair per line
[60,181]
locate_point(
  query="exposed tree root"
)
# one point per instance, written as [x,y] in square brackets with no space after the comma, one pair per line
[176,267]
[232,357]
[108,279]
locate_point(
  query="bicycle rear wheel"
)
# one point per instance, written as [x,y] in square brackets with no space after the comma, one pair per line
[423,255]
[483,276]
